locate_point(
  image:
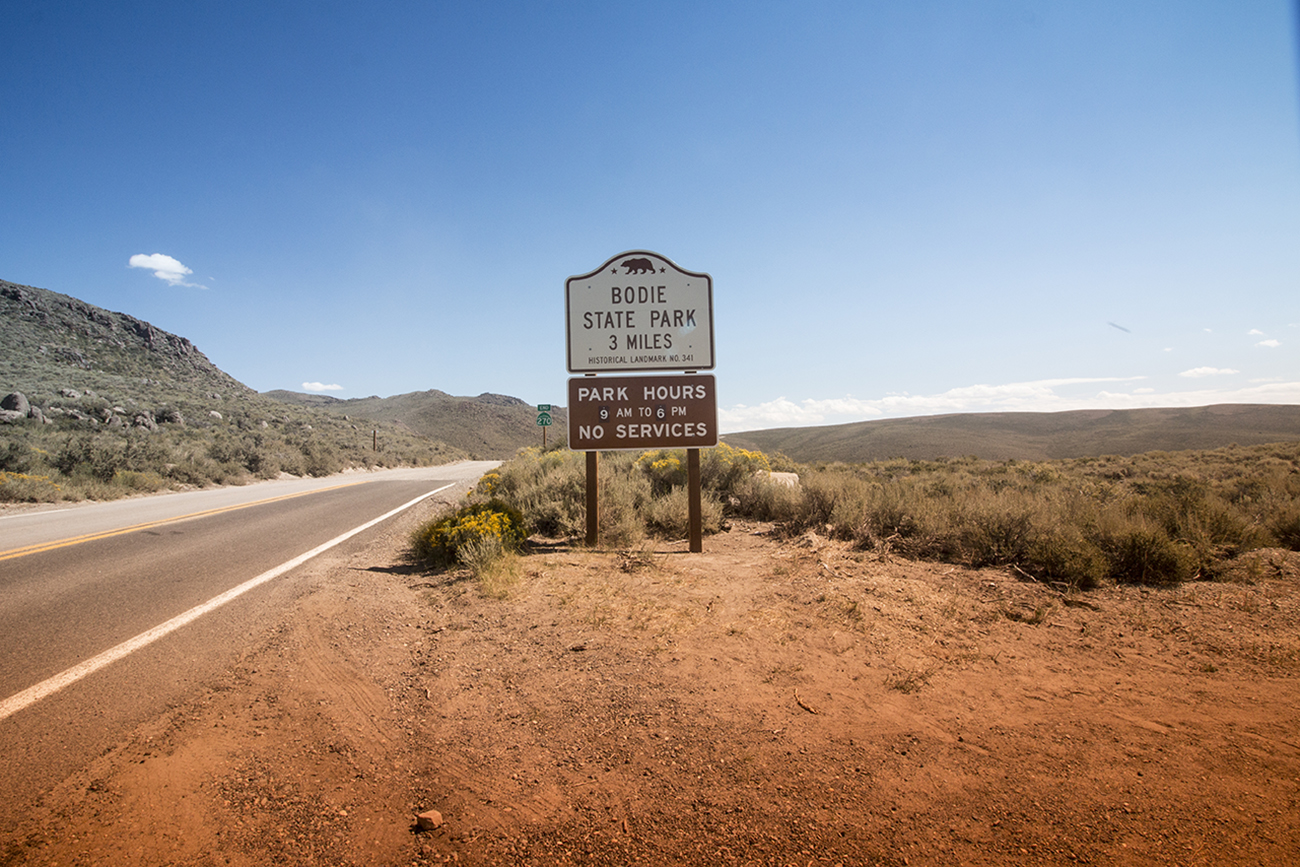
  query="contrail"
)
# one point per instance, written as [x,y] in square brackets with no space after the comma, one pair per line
[1120,327]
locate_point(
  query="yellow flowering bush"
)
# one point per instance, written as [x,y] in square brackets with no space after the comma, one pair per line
[722,469]
[665,469]
[488,483]
[440,542]
[26,488]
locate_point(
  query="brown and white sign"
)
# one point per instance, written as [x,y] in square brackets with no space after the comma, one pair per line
[639,312]
[643,412]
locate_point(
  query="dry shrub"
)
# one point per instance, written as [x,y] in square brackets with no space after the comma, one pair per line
[669,516]
[1158,518]
[1146,555]
[1065,555]
[835,500]
[990,528]
[1285,526]
[761,498]
[548,487]
[622,496]
[146,482]
[724,469]
[28,488]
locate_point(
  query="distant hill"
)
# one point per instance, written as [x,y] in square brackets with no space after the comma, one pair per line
[1032,436]
[489,426]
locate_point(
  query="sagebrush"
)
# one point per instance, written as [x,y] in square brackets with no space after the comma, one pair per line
[1157,518]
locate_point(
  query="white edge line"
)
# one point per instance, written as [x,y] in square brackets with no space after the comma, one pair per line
[46,688]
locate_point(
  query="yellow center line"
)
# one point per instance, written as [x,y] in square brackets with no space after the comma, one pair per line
[135,528]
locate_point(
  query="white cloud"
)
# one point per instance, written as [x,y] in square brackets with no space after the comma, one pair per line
[1198,372]
[320,386]
[1269,343]
[1255,331]
[1040,396]
[165,268]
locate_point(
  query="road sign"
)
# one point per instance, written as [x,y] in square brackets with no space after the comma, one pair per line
[639,311]
[543,407]
[642,412]
[544,419]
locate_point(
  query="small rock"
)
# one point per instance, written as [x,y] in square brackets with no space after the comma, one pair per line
[429,820]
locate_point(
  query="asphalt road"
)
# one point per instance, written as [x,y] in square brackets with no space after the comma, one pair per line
[82,588]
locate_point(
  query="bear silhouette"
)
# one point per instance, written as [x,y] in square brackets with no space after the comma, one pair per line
[638,266]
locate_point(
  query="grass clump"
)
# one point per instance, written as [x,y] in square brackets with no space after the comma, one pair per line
[492,563]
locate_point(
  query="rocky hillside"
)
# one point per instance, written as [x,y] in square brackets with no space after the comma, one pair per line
[54,348]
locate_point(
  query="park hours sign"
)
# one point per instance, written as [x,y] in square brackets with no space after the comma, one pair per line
[639,312]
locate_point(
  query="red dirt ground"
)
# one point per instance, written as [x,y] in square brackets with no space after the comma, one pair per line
[771,701]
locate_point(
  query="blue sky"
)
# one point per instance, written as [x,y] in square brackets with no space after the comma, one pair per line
[907,208]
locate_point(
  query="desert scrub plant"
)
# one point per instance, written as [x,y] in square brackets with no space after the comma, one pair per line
[487,483]
[1285,526]
[624,493]
[669,516]
[991,528]
[836,500]
[91,456]
[665,470]
[724,468]
[438,543]
[139,482]
[26,488]
[1063,554]
[762,498]
[1138,553]
[549,487]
